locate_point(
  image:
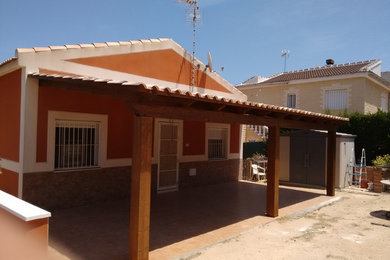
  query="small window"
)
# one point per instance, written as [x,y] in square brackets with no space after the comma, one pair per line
[385,102]
[336,99]
[76,144]
[217,143]
[291,100]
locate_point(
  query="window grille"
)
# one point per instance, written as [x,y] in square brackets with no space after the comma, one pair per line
[217,142]
[291,100]
[76,144]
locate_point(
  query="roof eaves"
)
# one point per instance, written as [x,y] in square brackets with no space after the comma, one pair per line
[8,61]
[200,96]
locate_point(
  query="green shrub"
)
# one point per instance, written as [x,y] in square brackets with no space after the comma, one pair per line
[373,133]
[382,160]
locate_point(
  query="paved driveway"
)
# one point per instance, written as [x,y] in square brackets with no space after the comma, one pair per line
[180,221]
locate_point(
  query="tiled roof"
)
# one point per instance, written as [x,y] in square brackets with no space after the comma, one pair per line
[7,61]
[92,45]
[155,90]
[320,72]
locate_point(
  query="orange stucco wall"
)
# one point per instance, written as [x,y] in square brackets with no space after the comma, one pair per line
[194,134]
[10,90]
[235,138]
[9,182]
[161,64]
[119,139]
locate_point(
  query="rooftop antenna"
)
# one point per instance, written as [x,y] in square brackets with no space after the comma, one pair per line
[193,11]
[285,54]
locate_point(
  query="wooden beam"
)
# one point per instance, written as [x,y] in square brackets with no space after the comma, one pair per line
[331,163]
[172,112]
[273,171]
[140,188]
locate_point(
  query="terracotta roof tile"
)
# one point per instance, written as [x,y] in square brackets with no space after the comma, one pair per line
[25,50]
[41,49]
[7,61]
[87,45]
[72,46]
[99,45]
[55,48]
[124,43]
[110,44]
[319,72]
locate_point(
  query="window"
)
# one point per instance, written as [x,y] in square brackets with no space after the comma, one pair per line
[217,143]
[291,100]
[385,102]
[76,144]
[336,99]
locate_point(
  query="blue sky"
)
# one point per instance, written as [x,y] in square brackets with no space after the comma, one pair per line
[246,37]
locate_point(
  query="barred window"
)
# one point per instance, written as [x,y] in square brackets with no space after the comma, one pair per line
[291,100]
[76,144]
[217,143]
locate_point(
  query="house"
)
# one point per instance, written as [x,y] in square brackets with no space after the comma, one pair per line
[90,122]
[83,136]
[333,88]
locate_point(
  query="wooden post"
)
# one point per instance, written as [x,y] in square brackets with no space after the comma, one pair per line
[140,188]
[273,171]
[331,163]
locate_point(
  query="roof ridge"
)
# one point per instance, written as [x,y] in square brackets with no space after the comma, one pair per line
[91,45]
[367,62]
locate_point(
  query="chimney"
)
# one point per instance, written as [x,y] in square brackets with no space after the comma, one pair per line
[329,62]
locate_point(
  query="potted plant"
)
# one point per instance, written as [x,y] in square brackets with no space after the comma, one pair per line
[382,161]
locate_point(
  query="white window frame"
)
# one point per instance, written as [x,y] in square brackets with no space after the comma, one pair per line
[288,92]
[226,146]
[54,116]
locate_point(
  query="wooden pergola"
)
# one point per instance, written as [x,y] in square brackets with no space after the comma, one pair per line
[148,102]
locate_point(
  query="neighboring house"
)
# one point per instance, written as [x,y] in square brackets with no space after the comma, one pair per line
[386,75]
[334,88]
[61,148]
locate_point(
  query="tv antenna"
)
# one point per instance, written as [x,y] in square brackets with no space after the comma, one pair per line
[193,14]
[285,54]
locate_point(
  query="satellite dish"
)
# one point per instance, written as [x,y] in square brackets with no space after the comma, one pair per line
[210,63]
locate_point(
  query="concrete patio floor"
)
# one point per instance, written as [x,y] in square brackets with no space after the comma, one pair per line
[181,221]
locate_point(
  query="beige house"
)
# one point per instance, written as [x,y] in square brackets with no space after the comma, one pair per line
[351,87]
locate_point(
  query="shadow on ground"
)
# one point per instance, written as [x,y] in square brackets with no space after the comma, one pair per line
[383,214]
[101,231]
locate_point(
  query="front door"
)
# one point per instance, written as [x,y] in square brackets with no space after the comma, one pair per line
[167,179]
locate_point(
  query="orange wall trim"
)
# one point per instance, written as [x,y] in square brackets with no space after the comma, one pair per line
[10,91]
[161,64]
[9,182]
[119,139]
